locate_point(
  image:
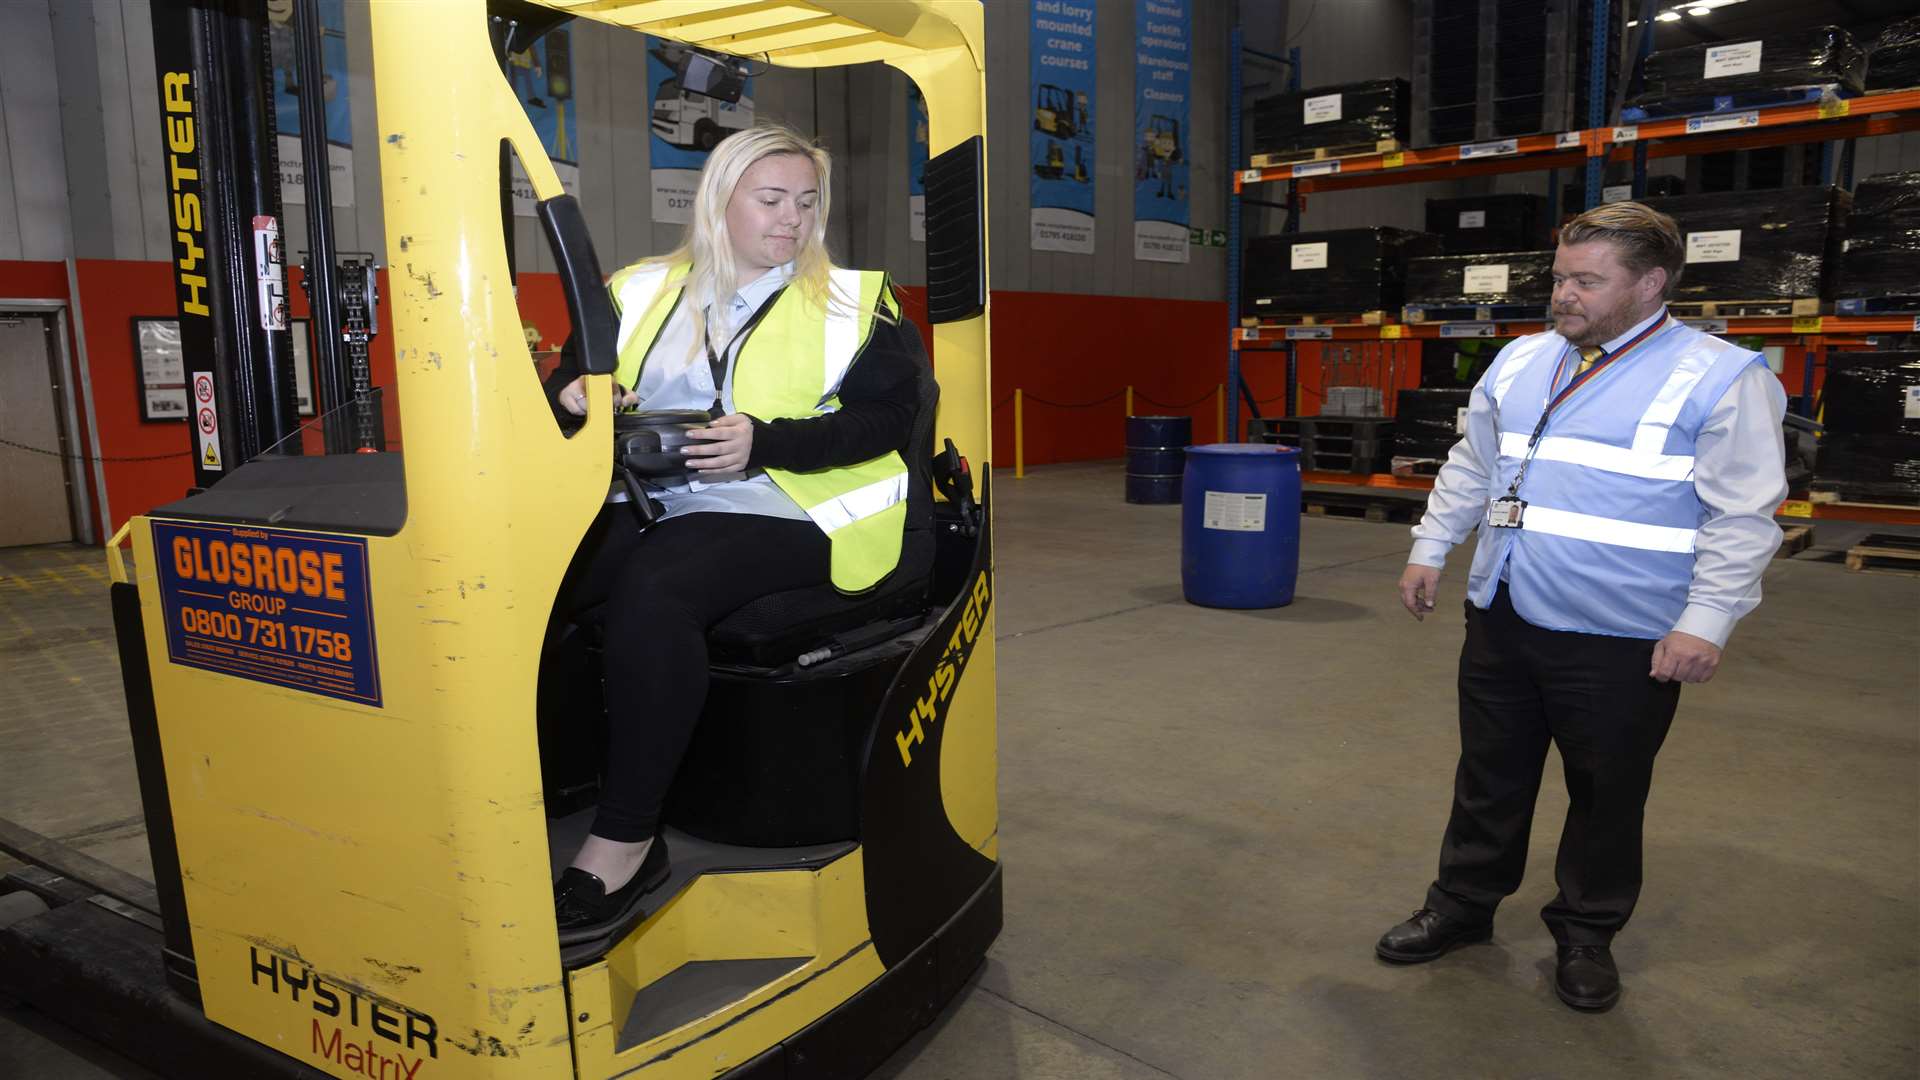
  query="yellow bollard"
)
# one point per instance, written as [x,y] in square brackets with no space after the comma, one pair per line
[1019,436]
[1220,410]
[1129,399]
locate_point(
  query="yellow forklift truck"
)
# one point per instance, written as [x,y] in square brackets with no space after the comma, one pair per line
[356,791]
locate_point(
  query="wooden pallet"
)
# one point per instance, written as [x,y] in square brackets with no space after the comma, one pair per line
[1884,553]
[1747,309]
[1361,504]
[1794,539]
[1325,153]
[1338,318]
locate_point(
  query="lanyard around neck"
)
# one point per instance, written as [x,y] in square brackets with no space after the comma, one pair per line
[717,362]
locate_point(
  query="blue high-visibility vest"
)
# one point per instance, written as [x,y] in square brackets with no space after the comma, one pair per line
[1606,542]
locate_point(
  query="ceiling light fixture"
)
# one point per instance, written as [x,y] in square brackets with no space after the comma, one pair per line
[1668,16]
[1699,11]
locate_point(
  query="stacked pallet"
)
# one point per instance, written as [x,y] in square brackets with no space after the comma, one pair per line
[1493,69]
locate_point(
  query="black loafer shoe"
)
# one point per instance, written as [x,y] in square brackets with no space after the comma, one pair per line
[1585,977]
[586,912]
[1428,936]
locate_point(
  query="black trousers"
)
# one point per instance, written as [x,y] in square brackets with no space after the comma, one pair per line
[658,592]
[1522,687]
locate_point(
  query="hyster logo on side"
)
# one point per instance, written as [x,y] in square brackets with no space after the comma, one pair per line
[364,1060]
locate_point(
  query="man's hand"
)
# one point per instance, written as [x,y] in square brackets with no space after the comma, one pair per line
[725,444]
[1419,587]
[1684,658]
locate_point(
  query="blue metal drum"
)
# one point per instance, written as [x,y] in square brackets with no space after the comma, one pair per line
[1240,525]
[1156,447]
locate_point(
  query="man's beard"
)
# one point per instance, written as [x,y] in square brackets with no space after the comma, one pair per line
[1598,331]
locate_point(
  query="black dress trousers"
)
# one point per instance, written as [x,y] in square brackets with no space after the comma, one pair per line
[1522,687]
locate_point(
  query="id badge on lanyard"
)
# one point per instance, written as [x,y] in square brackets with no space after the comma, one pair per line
[1505,512]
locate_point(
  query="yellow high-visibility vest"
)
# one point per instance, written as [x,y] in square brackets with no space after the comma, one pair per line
[790,367]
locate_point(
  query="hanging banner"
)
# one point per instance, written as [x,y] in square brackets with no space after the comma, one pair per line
[916,164]
[1064,54]
[1162,80]
[542,78]
[332,89]
[686,125]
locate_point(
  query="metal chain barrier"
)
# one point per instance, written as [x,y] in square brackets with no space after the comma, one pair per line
[87,457]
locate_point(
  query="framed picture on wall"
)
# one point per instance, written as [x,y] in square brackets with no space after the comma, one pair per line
[302,366]
[159,368]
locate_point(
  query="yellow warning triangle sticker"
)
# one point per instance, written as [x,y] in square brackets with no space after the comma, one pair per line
[212,456]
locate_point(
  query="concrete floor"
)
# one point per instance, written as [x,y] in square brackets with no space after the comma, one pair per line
[1209,816]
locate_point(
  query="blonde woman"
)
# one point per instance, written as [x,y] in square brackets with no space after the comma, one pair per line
[810,376]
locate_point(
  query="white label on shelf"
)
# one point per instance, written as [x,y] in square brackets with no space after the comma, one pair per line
[1566,140]
[1473,219]
[1490,149]
[1913,403]
[1718,245]
[1616,193]
[1626,134]
[1916,324]
[1316,168]
[1309,333]
[1251,333]
[1707,326]
[1723,122]
[1319,110]
[1460,420]
[1466,329]
[1740,58]
[1487,279]
[1249,176]
[1235,511]
[1309,256]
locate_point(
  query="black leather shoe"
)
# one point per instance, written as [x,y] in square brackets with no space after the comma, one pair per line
[1585,977]
[1428,936]
[586,912]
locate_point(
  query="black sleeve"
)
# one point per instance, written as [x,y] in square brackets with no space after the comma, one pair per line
[568,371]
[878,399]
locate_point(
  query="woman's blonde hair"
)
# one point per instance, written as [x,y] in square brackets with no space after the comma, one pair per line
[714,276]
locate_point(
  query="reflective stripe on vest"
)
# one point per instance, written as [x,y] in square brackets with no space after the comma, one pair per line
[1600,530]
[791,367]
[1605,456]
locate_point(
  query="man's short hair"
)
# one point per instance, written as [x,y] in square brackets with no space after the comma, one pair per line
[1642,236]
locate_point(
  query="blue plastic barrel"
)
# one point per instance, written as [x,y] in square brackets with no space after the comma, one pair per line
[1156,452]
[1240,525]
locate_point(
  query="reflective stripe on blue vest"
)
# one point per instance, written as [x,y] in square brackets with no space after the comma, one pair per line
[1606,543]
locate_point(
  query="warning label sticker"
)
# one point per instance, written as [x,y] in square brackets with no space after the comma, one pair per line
[1235,511]
[206,420]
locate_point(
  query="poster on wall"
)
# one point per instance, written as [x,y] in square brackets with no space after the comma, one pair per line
[160,369]
[1162,80]
[917,138]
[542,78]
[1064,54]
[287,90]
[686,125]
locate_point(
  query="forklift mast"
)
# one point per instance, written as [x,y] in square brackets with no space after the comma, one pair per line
[214,65]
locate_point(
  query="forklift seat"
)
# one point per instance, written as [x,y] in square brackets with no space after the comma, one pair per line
[781,628]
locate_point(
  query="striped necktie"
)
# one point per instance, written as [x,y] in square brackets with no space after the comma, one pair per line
[1588,355]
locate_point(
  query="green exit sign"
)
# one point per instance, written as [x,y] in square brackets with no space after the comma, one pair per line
[1207,237]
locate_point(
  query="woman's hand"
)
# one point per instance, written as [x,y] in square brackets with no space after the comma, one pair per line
[573,397]
[724,444]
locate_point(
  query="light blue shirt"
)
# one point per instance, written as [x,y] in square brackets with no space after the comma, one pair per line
[676,375]
[1737,476]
